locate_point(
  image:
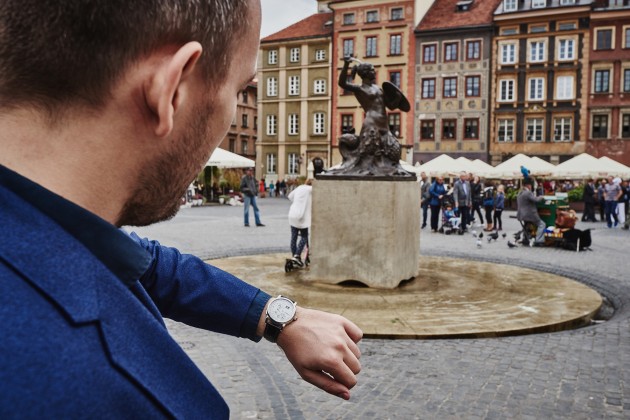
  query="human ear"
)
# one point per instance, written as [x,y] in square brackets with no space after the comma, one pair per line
[165,90]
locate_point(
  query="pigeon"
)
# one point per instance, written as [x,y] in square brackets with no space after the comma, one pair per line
[478,243]
[474,233]
[480,235]
[493,235]
[504,234]
[517,236]
[489,239]
[511,245]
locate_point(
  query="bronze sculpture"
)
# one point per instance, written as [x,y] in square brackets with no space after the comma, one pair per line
[375,152]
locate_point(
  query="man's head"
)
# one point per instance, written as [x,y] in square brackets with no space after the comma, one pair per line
[249,171]
[463,175]
[56,54]
[423,176]
[528,183]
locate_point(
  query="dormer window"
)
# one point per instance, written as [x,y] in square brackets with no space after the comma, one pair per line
[464,5]
[537,4]
[510,5]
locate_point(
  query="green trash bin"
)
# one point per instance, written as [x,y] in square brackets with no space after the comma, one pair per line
[547,208]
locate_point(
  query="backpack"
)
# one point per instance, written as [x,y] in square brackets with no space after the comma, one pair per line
[572,237]
[488,199]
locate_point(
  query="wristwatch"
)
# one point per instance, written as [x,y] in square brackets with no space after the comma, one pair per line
[280,313]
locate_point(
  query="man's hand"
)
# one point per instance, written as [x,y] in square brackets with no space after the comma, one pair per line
[322,347]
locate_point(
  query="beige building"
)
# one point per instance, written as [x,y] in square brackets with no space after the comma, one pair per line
[294,92]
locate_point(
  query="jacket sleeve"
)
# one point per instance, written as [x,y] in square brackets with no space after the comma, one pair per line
[186,289]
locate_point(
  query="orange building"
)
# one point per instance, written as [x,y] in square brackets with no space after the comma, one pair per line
[379,32]
[242,134]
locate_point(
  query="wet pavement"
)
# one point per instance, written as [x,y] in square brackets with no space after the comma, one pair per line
[577,374]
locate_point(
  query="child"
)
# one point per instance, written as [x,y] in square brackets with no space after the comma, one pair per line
[499,204]
[451,217]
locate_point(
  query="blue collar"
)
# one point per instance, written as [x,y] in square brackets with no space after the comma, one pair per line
[118,252]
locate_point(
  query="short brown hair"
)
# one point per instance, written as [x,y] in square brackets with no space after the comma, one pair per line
[56,53]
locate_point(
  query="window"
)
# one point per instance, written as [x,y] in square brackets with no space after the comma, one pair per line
[506,90]
[244,121]
[395,44]
[395,78]
[604,39]
[473,85]
[510,5]
[566,26]
[536,89]
[473,50]
[348,18]
[536,29]
[244,147]
[294,163]
[319,86]
[449,129]
[427,129]
[271,163]
[626,80]
[505,130]
[566,2]
[508,53]
[537,51]
[626,38]
[393,120]
[562,129]
[535,129]
[244,96]
[294,55]
[428,54]
[471,128]
[602,81]
[272,86]
[318,123]
[566,49]
[294,85]
[320,55]
[348,47]
[450,87]
[536,4]
[396,13]
[272,57]
[294,123]
[600,126]
[232,145]
[347,123]
[255,122]
[450,51]
[564,87]
[428,88]
[371,16]
[370,46]
[272,125]
[509,31]
[625,125]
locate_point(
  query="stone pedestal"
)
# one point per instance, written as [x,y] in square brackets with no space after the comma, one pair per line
[365,230]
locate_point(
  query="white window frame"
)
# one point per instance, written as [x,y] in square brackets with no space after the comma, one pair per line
[319,123]
[272,86]
[272,125]
[537,4]
[319,86]
[271,163]
[510,5]
[566,52]
[395,44]
[507,86]
[508,53]
[535,129]
[625,80]
[566,2]
[536,89]
[272,57]
[345,43]
[609,80]
[537,51]
[565,87]
[369,13]
[320,55]
[293,163]
[395,10]
[371,46]
[505,130]
[294,55]
[560,127]
[294,85]
[294,124]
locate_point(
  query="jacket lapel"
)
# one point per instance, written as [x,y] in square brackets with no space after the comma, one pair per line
[82,288]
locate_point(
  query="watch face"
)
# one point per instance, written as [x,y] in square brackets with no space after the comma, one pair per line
[281,310]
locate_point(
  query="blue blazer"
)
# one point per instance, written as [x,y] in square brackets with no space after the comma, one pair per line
[76,342]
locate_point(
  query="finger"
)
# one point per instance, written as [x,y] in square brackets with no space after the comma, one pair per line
[342,373]
[326,383]
[353,363]
[353,331]
[354,348]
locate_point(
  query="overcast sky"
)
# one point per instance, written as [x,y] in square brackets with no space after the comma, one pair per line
[278,14]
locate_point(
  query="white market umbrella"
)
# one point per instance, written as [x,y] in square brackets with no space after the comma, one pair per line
[580,167]
[443,165]
[615,168]
[224,159]
[481,168]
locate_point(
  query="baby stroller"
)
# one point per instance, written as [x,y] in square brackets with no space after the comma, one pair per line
[447,227]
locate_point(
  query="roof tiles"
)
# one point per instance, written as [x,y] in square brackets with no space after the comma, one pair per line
[444,14]
[310,27]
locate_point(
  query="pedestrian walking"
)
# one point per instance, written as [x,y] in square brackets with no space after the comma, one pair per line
[248,188]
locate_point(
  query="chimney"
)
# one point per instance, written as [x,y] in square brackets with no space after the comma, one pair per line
[322,6]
